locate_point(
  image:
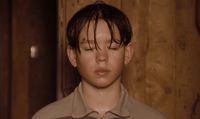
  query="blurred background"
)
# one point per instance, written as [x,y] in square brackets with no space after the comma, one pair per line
[164,72]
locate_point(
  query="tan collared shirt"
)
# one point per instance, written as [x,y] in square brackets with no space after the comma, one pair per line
[74,107]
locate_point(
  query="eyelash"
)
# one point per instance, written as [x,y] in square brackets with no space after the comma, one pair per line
[113,48]
[110,48]
[88,49]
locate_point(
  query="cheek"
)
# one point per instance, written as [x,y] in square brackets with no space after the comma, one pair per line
[118,60]
[85,66]
[84,61]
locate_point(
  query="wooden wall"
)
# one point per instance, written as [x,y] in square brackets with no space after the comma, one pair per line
[165,71]
[165,66]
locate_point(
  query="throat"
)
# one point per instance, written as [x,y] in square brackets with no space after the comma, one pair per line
[101,100]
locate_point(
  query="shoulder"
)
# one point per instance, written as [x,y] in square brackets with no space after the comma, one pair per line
[57,109]
[142,111]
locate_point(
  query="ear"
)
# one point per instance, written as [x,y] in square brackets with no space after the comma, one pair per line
[129,49]
[71,53]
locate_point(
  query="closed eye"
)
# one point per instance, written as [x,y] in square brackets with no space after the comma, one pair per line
[88,49]
[113,48]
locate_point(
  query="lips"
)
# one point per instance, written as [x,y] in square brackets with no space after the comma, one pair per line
[101,71]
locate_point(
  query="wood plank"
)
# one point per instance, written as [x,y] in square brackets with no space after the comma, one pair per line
[60,52]
[187,62]
[20,52]
[149,76]
[5,59]
[160,59]
[134,74]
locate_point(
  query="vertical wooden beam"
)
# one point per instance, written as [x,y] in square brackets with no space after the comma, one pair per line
[20,60]
[60,51]
[149,76]
[187,61]
[5,58]
[134,74]
[160,59]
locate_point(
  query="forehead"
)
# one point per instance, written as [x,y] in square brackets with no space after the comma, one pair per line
[99,29]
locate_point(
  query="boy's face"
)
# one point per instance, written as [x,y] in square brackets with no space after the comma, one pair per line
[101,66]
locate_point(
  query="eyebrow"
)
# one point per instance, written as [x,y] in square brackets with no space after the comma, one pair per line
[92,41]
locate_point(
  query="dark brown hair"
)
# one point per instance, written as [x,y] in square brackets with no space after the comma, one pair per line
[93,12]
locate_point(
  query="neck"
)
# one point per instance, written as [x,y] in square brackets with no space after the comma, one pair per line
[102,99]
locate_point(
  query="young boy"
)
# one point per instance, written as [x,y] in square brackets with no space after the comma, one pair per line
[99,46]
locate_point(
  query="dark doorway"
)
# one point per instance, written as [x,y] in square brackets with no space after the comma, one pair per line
[28,56]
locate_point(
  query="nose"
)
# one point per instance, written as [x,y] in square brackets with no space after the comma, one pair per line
[101,55]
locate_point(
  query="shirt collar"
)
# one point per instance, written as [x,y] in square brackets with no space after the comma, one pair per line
[81,109]
[121,109]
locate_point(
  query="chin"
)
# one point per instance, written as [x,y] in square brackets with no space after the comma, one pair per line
[101,84]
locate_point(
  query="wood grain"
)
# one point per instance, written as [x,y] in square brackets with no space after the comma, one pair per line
[187,61]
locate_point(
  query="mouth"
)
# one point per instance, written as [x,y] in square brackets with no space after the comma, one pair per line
[101,72]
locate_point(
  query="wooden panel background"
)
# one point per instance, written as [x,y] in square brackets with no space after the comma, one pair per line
[164,72]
